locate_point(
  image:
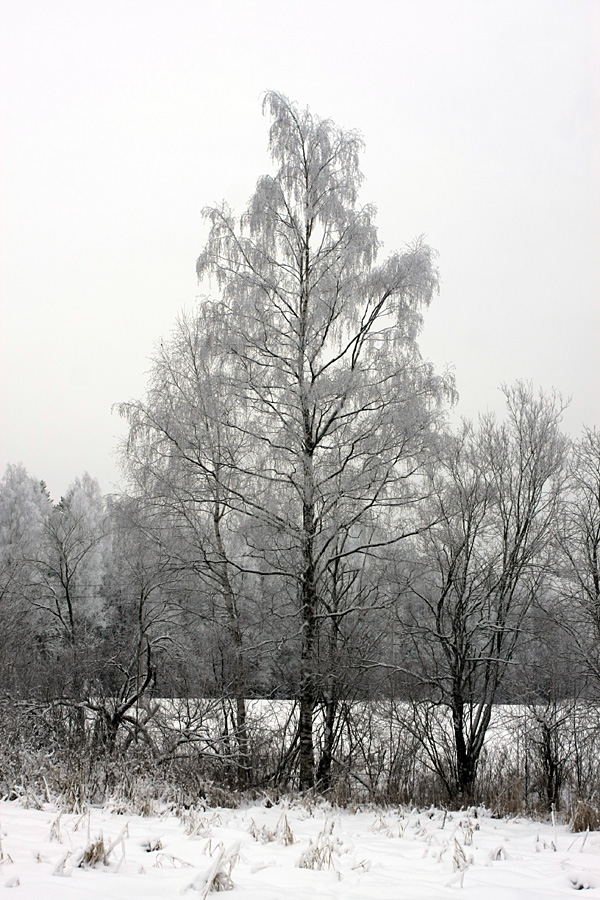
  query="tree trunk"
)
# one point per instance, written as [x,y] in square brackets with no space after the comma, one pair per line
[324,771]
[468,750]
[307,686]
[243,764]
[309,607]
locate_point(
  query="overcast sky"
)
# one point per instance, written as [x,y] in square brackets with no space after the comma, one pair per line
[122,119]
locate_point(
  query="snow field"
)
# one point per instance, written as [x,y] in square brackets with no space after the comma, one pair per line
[292,851]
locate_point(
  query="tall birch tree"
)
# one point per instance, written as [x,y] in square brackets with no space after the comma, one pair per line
[322,343]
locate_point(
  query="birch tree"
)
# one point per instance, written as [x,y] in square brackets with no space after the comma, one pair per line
[322,344]
[185,458]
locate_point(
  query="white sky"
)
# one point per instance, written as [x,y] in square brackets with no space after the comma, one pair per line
[121,119]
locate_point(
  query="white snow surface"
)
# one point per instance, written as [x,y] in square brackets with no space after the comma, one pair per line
[366,854]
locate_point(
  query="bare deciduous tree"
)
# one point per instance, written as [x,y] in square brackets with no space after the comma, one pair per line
[495,498]
[579,543]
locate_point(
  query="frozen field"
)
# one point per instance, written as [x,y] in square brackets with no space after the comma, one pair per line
[291,851]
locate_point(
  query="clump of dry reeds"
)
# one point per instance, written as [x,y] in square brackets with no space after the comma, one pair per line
[586,817]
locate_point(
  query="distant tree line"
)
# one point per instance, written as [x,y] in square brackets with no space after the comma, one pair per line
[302,524]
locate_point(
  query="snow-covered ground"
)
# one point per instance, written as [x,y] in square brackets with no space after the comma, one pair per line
[265,853]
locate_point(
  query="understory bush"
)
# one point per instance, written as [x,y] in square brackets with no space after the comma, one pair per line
[532,761]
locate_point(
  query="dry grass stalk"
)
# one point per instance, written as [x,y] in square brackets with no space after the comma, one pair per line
[319,855]
[218,877]
[284,832]
[93,854]
[55,833]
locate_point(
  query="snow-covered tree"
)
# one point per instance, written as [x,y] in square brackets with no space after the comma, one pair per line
[70,567]
[185,458]
[322,355]
[24,508]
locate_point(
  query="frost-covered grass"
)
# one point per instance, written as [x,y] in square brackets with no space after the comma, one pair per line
[297,849]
